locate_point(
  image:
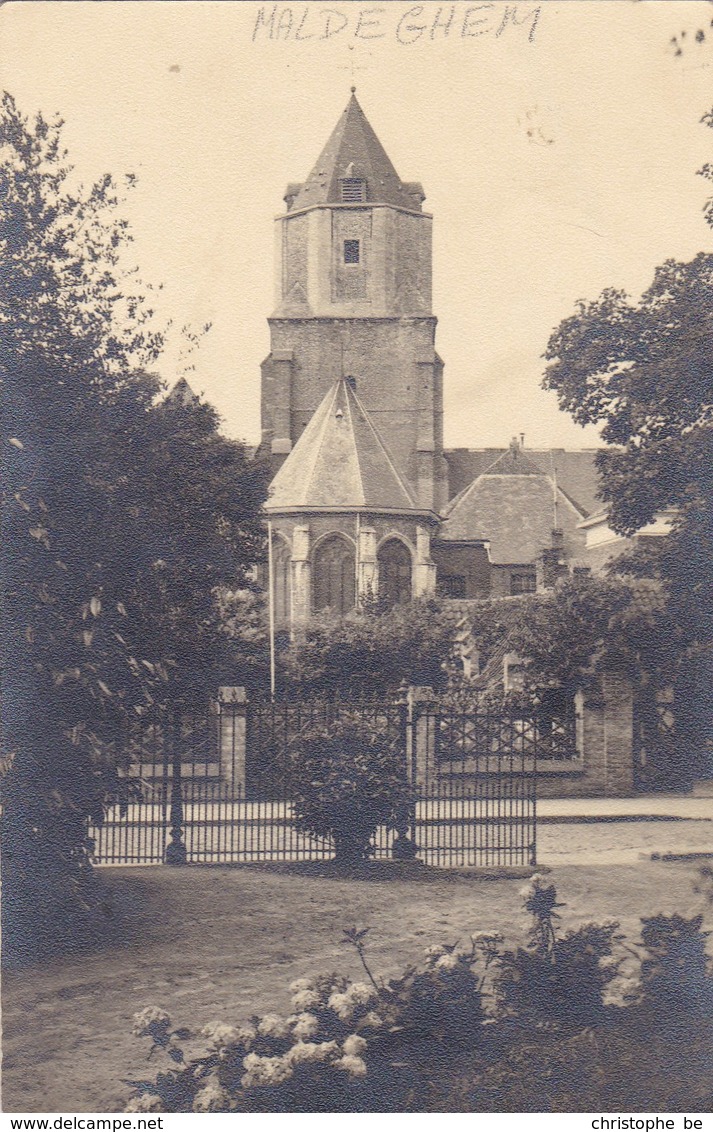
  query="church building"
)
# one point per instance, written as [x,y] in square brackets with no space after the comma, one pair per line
[365,501]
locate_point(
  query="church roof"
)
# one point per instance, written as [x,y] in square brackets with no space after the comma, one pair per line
[181,394]
[353,150]
[511,505]
[575,470]
[339,462]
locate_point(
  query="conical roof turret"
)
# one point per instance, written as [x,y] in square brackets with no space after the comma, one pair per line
[354,151]
[340,462]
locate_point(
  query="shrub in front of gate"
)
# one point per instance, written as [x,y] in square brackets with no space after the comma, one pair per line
[348,778]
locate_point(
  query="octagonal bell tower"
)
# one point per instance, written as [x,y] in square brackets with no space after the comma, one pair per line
[353,297]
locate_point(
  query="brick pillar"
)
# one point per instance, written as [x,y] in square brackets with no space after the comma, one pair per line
[232,708]
[301,576]
[605,723]
[619,733]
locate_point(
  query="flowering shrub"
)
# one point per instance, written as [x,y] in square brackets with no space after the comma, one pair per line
[555,978]
[347,779]
[358,1046]
[340,1038]
[274,1064]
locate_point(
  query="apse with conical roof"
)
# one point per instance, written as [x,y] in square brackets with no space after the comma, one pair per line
[341,464]
[353,297]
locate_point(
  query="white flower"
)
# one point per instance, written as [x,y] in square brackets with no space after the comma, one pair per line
[373,1020]
[310,1051]
[305,999]
[150,1016]
[220,1034]
[341,1005]
[273,1026]
[608,962]
[305,1025]
[359,993]
[486,939]
[146,1102]
[354,1045]
[447,962]
[434,951]
[355,1066]
[305,1051]
[211,1098]
[300,985]
[265,1070]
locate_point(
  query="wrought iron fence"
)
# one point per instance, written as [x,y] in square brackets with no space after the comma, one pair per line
[214,786]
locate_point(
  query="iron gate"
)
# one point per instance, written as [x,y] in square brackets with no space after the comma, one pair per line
[210,787]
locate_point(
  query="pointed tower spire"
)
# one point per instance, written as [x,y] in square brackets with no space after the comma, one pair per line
[354,167]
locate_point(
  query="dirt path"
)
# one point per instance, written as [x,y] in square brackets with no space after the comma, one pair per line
[209,943]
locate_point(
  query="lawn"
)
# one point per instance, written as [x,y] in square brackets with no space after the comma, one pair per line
[223,943]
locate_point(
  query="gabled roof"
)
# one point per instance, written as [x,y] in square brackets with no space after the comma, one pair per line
[339,462]
[354,150]
[514,462]
[575,470]
[512,505]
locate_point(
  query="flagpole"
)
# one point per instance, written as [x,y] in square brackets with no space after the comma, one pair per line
[271,607]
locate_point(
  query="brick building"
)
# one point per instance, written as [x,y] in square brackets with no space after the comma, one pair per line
[365,499]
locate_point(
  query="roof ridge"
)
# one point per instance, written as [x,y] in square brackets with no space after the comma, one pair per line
[344,385]
[394,470]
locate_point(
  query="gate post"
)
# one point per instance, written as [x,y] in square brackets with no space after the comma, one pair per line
[404,847]
[176,850]
[232,712]
[421,746]
[605,729]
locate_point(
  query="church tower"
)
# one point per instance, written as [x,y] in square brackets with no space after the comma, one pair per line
[353,299]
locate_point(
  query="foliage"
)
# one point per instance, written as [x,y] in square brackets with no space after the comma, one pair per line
[347,779]
[587,626]
[335,1051]
[642,372]
[472,1028]
[561,979]
[675,972]
[315,1059]
[372,652]
[120,517]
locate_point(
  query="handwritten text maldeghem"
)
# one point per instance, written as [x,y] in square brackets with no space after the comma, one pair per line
[405,24]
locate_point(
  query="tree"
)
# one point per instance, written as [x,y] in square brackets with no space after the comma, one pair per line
[643,372]
[347,778]
[121,518]
[372,652]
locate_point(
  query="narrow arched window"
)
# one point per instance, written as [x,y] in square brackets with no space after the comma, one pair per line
[281,568]
[334,576]
[394,573]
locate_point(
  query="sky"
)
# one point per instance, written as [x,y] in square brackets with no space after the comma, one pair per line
[557,145]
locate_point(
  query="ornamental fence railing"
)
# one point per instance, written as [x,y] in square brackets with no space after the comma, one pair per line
[213,786]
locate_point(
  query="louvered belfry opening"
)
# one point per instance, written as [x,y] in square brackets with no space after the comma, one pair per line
[352,190]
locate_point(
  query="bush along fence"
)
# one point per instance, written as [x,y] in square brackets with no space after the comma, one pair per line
[415,776]
[575,1020]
